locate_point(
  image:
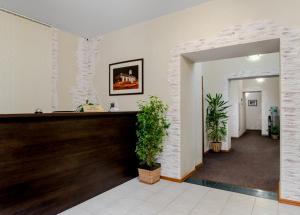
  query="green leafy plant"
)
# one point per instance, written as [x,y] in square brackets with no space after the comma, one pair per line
[80,107]
[275,130]
[152,126]
[216,118]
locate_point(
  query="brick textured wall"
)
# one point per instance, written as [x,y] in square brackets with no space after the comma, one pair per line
[290,96]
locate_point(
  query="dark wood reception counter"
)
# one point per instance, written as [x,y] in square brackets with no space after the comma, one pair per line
[51,162]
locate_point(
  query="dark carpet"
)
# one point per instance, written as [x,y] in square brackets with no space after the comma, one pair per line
[252,163]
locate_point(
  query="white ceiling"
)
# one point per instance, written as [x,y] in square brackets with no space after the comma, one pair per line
[93,17]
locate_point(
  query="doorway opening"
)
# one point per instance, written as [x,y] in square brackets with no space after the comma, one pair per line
[239,165]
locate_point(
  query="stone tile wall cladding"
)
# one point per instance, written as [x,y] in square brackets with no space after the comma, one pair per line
[86,62]
[290,96]
[54,68]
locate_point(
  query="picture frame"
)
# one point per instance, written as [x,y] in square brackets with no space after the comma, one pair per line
[252,103]
[126,77]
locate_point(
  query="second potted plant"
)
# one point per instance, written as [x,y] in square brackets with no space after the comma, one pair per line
[152,126]
[275,130]
[216,120]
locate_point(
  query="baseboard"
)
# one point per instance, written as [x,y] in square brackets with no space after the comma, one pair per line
[183,178]
[171,179]
[289,202]
[226,151]
[199,166]
[286,201]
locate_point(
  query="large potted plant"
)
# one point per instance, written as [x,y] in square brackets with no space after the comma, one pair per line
[152,126]
[216,121]
[275,130]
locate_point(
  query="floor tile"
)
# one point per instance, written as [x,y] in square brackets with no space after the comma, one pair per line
[75,211]
[288,210]
[169,198]
[265,207]
[238,201]
[148,208]
[120,207]
[207,209]
[238,204]
[99,202]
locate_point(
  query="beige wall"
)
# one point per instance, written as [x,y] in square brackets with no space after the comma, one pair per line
[154,40]
[26,66]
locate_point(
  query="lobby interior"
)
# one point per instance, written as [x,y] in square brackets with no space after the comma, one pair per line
[81,84]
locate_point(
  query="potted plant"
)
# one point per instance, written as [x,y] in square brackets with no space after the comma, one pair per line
[216,121]
[152,126]
[80,108]
[275,130]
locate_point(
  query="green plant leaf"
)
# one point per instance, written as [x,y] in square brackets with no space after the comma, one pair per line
[152,126]
[216,117]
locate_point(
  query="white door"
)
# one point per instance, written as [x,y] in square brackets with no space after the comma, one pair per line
[253,111]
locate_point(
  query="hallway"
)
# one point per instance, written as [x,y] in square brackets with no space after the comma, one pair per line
[252,163]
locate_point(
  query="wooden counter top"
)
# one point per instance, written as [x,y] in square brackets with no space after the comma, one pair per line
[65,114]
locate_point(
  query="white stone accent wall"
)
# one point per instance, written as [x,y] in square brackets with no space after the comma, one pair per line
[86,61]
[290,96]
[54,75]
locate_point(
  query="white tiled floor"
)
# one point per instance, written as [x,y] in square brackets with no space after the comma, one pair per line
[168,198]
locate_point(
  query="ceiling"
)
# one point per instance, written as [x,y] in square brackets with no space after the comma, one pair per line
[93,17]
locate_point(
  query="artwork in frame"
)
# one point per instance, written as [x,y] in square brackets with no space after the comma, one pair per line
[126,78]
[252,102]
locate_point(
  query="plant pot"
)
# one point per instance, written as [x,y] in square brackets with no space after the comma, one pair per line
[216,146]
[149,175]
[275,136]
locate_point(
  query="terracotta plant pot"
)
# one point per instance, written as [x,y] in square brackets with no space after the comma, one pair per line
[216,146]
[149,176]
[275,136]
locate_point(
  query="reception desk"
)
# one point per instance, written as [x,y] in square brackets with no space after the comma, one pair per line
[51,162]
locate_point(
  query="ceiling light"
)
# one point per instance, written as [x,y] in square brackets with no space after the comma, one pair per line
[254,57]
[260,80]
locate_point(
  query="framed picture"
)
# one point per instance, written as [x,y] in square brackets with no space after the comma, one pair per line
[252,102]
[126,78]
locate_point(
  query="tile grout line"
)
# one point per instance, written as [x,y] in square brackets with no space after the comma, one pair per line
[199,200]
[171,201]
[253,206]
[226,203]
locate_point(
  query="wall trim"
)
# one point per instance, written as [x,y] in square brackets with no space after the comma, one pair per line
[289,202]
[183,178]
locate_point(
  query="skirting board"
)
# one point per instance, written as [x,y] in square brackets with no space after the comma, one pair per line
[289,202]
[184,178]
[286,201]
[226,151]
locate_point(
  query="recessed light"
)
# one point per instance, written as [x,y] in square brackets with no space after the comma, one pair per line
[254,57]
[260,80]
